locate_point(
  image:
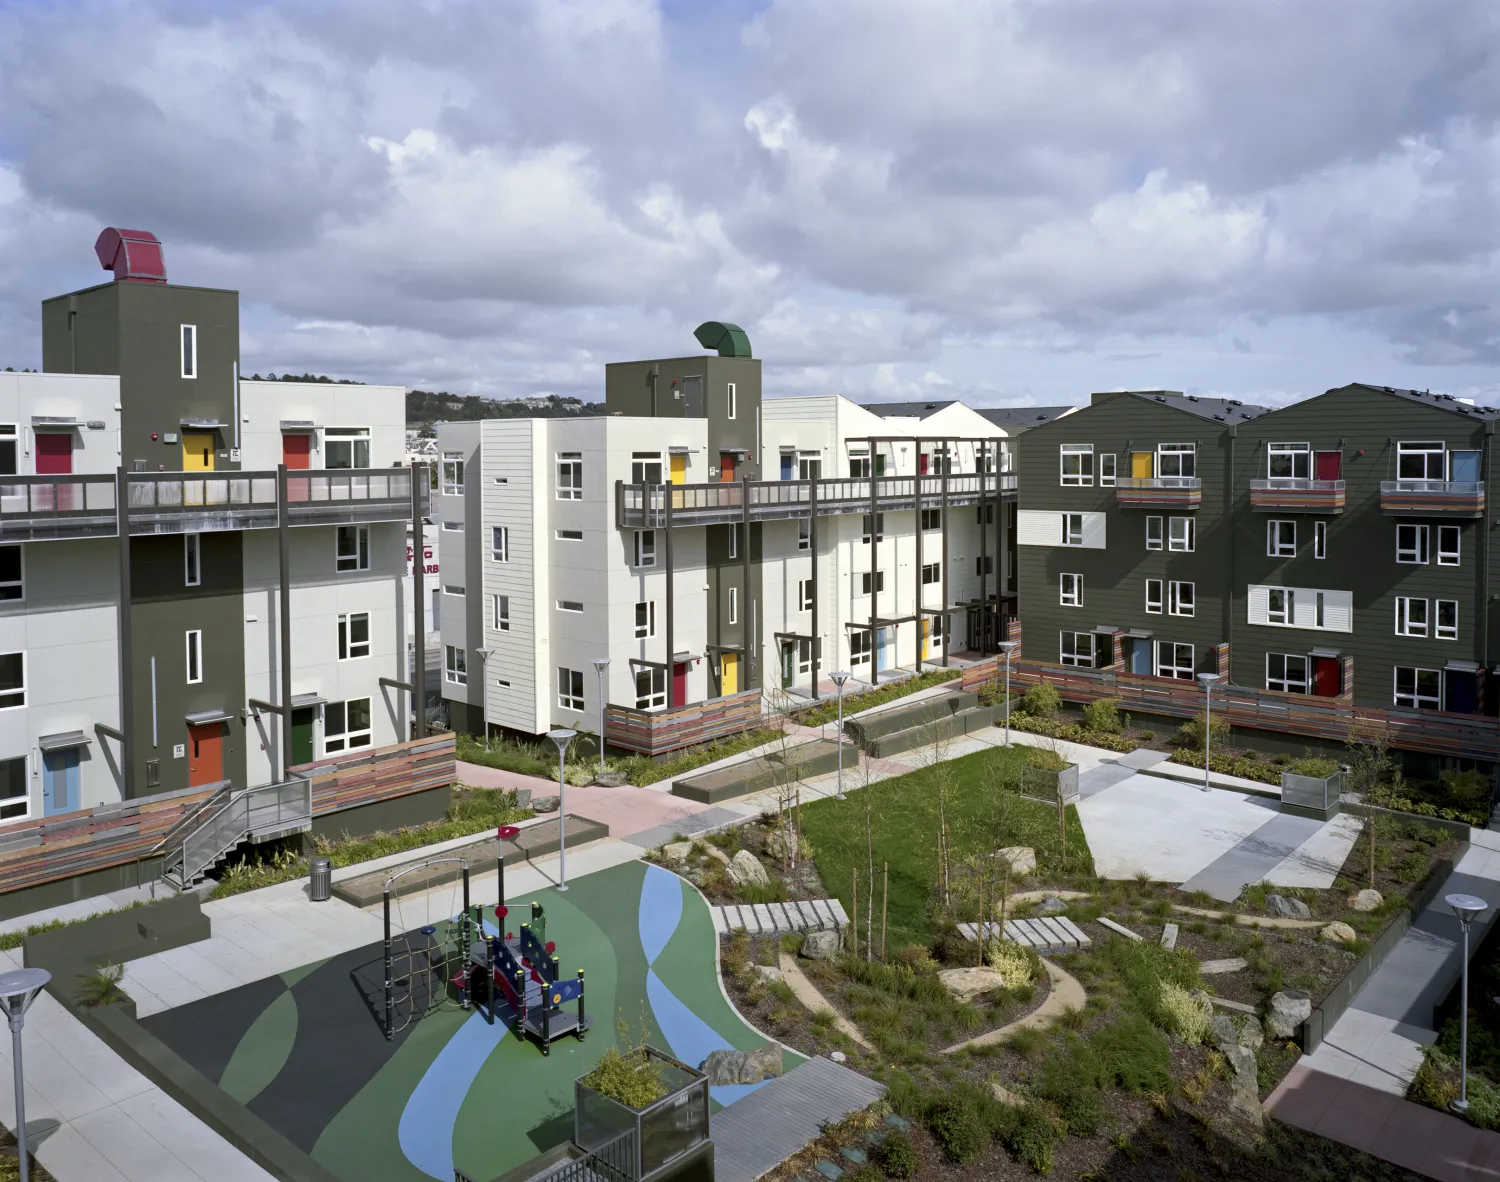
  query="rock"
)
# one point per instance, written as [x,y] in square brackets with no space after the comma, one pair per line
[779,844]
[767,972]
[1022,858]
[1339,932]
[1051,906]
[544,804]
[1230,964]
[523,798]
[715,853]
[745,870]
[612,779]
[1287,908]
[837,1056]
[965,984]
[1289,1009]
[1244,1097]
[675,853]
[822,945]
[1169,936]
[1366,900]
[1225,1032]
[742,1067]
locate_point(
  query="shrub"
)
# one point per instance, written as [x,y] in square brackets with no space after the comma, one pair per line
[1413,867]
[634,1078]
[1133,1055]
[1102,715]
[1016,965]
[897,1157]
[1314,766]
[1045,760]
[102,986]
[1029,1135]
[1070,1080]
[917,957]
[1190,733]
[958,1126]
[1042,700]
[1466,790]
[1184,1014]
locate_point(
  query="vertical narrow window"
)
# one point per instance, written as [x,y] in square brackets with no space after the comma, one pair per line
[500,543]
[729,402]
[194,657]
[1107,470]
[191,571]
[190,350]
[1153,533]
[1153,596]
[1319,613]
[570,476]
[734,541]
[1320,539]
[734,605]
[12,582]
[502,613]
[804,533]
[645,547]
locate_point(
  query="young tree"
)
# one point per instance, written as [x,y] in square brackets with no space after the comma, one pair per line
[782,760]
[937,762]
[1374,779]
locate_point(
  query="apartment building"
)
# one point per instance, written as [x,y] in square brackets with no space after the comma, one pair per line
[201,578]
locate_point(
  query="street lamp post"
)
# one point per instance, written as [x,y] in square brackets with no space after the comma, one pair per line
[1466,907]
[1008,647]
[562,737]
[18,989]
[1208,680]
[838,677]
[484,655]
[601,666]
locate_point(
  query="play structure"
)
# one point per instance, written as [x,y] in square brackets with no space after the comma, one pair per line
[419,961]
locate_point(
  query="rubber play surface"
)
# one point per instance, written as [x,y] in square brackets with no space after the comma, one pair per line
[305,1051]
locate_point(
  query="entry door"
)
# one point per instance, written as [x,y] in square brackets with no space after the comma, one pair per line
[1325,677]
[1142,464]
[729,673]
[788,465]
[679,685]
[922,464]
[679,469]
[1140,656]
[1328,465]
[692,398]
[205,754]
[926,629]
[881,660]
[54,453]
[296,449]
[60,781]
[1461,694]
[726,466]
[788,664]
[197,451]
[1465,467]
[302,735]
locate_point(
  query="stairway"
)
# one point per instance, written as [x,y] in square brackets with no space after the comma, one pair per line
[229,819]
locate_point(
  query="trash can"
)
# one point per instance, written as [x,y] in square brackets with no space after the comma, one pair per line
[322,879]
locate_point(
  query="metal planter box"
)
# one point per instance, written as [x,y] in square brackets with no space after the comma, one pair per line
[667,1140]
[1310,796]
[1051,786]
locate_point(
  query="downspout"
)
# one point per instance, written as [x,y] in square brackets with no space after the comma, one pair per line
[671,597]
[922,621]
[1484,542]
[812,551]
[1230,505]
[127,645]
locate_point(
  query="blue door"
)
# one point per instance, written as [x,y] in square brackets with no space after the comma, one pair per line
[1466,467]
[1140,655]
[787,460]
[59,781]
[880,657]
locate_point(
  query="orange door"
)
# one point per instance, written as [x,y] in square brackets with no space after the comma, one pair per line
[296,450]
[726,466]
[205,754]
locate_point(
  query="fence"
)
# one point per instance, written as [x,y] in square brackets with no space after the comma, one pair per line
[653,732]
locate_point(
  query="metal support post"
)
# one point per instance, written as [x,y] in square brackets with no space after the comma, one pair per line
[127,641]
[284,610]
[420,479]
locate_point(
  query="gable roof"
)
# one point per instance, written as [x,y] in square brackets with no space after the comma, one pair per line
[1439,401]
[1022,417]
[906,410]
[1228,411]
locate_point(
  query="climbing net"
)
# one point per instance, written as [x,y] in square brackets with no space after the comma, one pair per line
[425,926]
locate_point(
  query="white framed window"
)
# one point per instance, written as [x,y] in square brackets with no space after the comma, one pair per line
[1072,529]
[1421,461]
[932,573]
[1077,460]
[570,688]
[804,533]
[1181,598]
[1288,461]
[984,564]
[1411,543]
[1070,590]
[864,582]
[1107,470]
[1174,660]
[15,795]
[500,543]
[1076,648]
[729,401]
[1154,603]
[645,467]
[351,548]
[859,647]
[501,604]
[502,683]
[935,625]
[734,541]
[1153,533]
[1445,625]
[568,535]
[650,688]
[453,474]
[346,725]
[354,636]
[569,476]
[348,447]
[1320,539]
[1320,609]
[1411,616]
[1449,547]
[932,519]
[1182,534]
[865,528]
[12,680]
[192,560]
[859,465]
[645,619]
[453,526]
[569,605]
[194,646]
[12,578]
[1301,607]
[453,589]
[643,551]
[1281,605]
[1286,673]
[1281,539]
[734,605]
[804,595]
[455,665]
[1176,461]
[189,350]
[1418,689]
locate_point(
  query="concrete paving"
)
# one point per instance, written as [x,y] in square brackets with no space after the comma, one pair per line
[1254,857]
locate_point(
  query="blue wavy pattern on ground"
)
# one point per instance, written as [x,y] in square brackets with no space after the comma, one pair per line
[431,1113]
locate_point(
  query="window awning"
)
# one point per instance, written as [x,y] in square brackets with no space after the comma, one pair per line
[204,717]
[742,452]
[54,423]
[204,424]
[307,700]
[63,740]
[1139,633]
[1110,628]
[679,658]
[1461,667]
[789,447]
[298,425]
[1328,653]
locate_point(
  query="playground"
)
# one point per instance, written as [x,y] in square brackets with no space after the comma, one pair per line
[308,1051]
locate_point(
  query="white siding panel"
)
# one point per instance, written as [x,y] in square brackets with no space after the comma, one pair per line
[1338,611]
[1338,608]
[1093,531]
[1259,600]
[1038,527]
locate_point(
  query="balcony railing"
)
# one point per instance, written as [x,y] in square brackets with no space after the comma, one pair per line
[1148,492]
[1297,494]
[1432,498]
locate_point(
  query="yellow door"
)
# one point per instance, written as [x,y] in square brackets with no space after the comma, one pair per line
[197,451]
[679,469]
[1141,464]
[729,672]
[926,627]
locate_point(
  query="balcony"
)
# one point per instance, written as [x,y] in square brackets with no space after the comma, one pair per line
[1158,492]
[1432,498]
[655,506]
[44,508]
[1297,495]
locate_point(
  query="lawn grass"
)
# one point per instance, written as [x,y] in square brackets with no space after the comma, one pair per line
[854,703]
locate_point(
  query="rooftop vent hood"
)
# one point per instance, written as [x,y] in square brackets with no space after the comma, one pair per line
[729,339]
[132,254]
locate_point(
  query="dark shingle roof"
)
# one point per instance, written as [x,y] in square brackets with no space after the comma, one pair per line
[1022,417]
[905,410]
[1224,410]
[1442,401]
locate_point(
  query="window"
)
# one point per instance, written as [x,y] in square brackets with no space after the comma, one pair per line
[645,467]
[1072,529]
[1153,596]
[192,570]
[859,465]
[859,647]
[734,605]
[502,613]
[453,589]
[932,519]
[1182,533]
[12,585]
[804,533]
[1320,539]
[568,535]
[190,350]
[351,547]
[1320,615]
[1078,463]
[502,683]
[1174,660]
[1411,543]
[650,688]
[645,619]
[1446,627]
[1421,461]
[879,528]
[1419,689]
[1288,461]
[1449,543]
[15,798]
[804,595]
[984,564]
[1286,673]
[453,473]
[864,582]
[12,680]
[1107,470]
[734,541]
[569,605]
[1177,461]
[1281,539]
[500,543]
[7,449]
[935,625]
[984,514]
[1411,616]
[354,636]
[1280,605]
[1153,533]
[1076,648]
[1180,598]
[932,572]
[349,447]
[644,552]
[570,688]
[1070,590]
[569,476]
[809,466]
[194,656]
[455,665]
[453,526]
[346,725]
[729,401]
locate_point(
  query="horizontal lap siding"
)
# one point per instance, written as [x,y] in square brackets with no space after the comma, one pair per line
[652,733]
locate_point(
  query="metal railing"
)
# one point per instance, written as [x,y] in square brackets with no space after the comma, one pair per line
[57,494]
[1451,488]
[1158,482]
[264,811]
[1295,484]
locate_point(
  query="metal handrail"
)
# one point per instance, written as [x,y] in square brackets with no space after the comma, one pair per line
[1158,482]
[242,813]
[1296,484]
[1465,487]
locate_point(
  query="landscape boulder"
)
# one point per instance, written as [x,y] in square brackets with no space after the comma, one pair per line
[1289,1009]
[1226,1032]
[780,842]
[1366,900]
[965,984]
[742,1067]
[544,804]
[1244,1095]
[1339,933]
[1280,905]
[822,945]
[768,973]
[1051,905]
[612,779]
[744,869]
[1022,858]
[675,853]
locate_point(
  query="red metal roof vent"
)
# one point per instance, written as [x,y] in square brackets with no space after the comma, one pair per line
[135,255]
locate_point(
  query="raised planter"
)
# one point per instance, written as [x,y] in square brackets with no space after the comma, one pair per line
[1051,786]
[803,761]
[1311,796]
[668,1139]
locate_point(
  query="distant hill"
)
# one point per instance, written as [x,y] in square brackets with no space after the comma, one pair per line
[424,407]
[304,377]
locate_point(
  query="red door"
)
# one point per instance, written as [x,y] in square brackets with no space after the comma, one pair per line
[726,466]
[1329,465]
[296,450]
[679,685]
[205,754]
[922,465]
[54,453]
[1326,677]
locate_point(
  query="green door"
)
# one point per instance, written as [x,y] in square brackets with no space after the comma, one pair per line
[302,735]
[788,664]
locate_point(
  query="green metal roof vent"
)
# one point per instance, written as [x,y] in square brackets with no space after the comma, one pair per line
[729,339]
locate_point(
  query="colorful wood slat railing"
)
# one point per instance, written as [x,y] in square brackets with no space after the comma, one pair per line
[1298,500]
[1162,498]
[652,732]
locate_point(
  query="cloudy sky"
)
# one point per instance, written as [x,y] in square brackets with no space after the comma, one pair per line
[1010,202]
